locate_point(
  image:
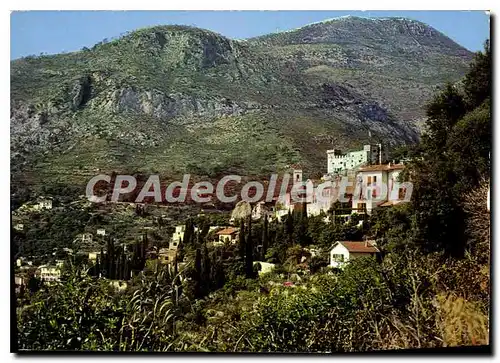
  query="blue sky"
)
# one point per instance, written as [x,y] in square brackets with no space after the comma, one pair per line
[51,32]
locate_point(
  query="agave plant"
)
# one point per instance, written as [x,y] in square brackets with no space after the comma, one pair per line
[149,321]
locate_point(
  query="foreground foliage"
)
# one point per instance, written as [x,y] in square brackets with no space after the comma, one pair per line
[430,288]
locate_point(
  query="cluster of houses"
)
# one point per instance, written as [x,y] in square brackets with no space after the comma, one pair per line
[48,273]
[364,170]
[358,178]
[340,253]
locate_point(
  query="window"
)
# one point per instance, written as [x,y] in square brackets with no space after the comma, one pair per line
[361,207]
[369,181]
[338,257]
[374,178]
[401,193]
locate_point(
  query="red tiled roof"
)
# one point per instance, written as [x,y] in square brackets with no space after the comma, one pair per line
[228,231]
[390,203]
[385,167]
[360,247]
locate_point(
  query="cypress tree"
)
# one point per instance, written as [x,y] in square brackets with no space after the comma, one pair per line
[102,265]
[97,267]
[144,251]
[177,282]
[189,232]
[289,228]
[301,226]
[110,259]
[205,227]
[265,238]
[220,276]
[242,242]
[197,274]
[249,251]
[119,266]
[205,281]
[126,269]
[180,250]
[176,267]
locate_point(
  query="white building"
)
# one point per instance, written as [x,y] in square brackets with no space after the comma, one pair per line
[85,237]
[43,203]
[319,197]
[50,273]
[179,233]
[338,162]
[321,202]
[92,256]
[344,251]
[265,267]
[178,236]
[229,234]
[262,209]
[284,203]
[378,186]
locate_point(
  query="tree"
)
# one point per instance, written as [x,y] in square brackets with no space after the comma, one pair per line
[241,240]
[300,226]
[197,274]
[451,160]
[217,274]
[265,237]
[249,251]
[477,82]
[180,251]
[288,228]
[189,233]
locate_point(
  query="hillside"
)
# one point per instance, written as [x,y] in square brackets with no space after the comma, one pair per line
[177,99]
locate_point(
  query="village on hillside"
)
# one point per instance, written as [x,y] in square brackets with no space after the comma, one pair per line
[359,171]
[250,186]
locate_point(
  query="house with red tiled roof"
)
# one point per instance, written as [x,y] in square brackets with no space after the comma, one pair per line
[381,167]
[379,186]
[344,251]
[229,234]
[319,196]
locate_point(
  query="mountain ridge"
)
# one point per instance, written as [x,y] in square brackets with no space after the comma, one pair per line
[174,99]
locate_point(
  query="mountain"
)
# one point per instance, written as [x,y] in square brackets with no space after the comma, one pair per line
[177,99]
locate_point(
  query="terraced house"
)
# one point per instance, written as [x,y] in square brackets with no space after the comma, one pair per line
[379,186]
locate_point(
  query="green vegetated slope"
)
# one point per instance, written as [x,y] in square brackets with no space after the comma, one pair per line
[176,99]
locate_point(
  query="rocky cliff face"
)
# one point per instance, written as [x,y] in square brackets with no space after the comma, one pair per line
[178,99]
